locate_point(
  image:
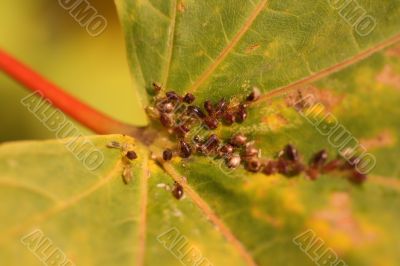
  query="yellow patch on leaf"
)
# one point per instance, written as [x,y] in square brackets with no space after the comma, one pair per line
[338,225]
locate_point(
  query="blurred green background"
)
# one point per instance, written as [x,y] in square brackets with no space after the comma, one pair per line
[95,69]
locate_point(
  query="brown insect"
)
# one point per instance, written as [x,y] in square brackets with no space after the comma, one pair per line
[166,120]
[211,143]
[226,150]
[167,155]
[357,178]
[173,96]
[177,191]
[254,95]
[270,168]
[319,159]
[253,165]
[238,140]
[131,155]
[208,106]
[189,98]
[289,153]
[241,113]
[185,149]
[194,110]
[211,122]
[229,118]
[233,161]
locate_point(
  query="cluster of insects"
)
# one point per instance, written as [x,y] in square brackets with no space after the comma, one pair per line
[179,116]
[128,156]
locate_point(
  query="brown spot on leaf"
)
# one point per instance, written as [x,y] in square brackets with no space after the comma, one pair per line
[394,51]
[275,121]
[389,77]
[269,219]
[307,97]
[181,7]
[339,225]
[384,139]
[251,48]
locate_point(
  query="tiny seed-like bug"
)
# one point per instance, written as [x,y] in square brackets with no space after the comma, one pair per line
[233,161]
[221,108]
[357,178]
[131,155]
[332,166]
[226,150]
[181,130]
[157,88]
[167,155]
[185,149]
[250,151]
[166,107]
[270,168]
[241,113]
[194,110]
[211,143]
[208,106]
[238,140]
[166,120]
[253,165]
[172,96]
[211,122]
[254,95]
[127,174]
[289,152]
[177,191]
[189,98]
[114,145]
[319,159]
[229,118]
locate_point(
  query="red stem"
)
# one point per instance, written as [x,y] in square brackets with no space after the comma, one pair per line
[98,122]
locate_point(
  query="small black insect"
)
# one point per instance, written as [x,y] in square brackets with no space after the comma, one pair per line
[177,191]
[211,143]
[290,153]
[241,113]
[238,140]
[131,155]
[319,159]
[167,155]
[194,110]
[189,98]
[254,95]
[211,122]
[172,96]
[229,118]
[185,149]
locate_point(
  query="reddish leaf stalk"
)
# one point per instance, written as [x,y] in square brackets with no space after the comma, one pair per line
[96,121]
